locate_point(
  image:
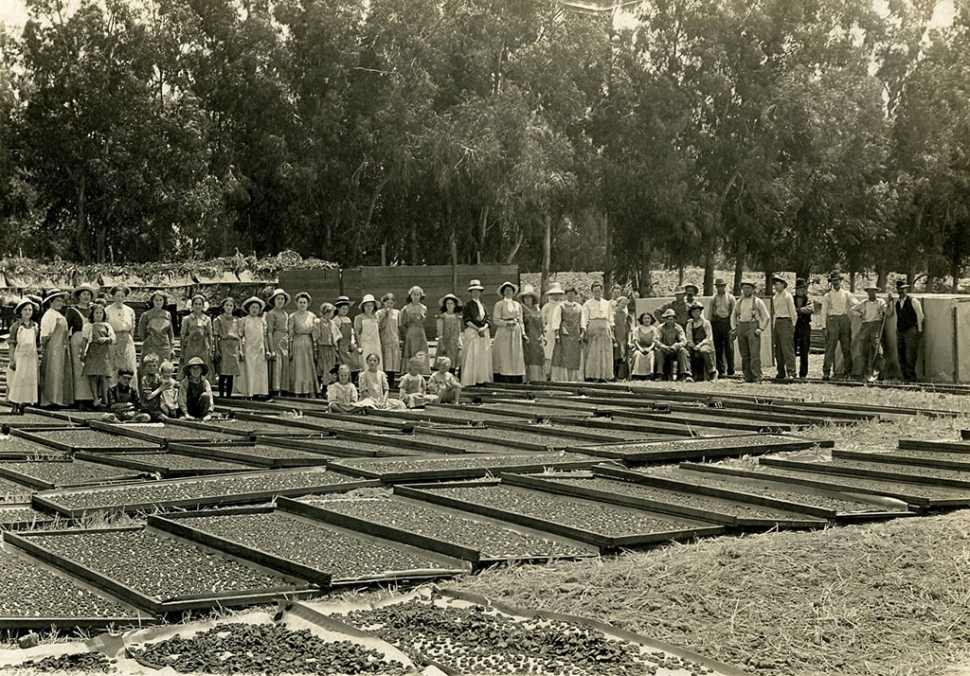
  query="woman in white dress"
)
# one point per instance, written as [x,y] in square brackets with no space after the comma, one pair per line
[56,368]
[367,330]
[476,354]
[252,331]
[23,368]
[122,320]
[508,358]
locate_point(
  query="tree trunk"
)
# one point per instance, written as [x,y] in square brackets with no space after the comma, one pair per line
[738,271]
[102,240]
[607,253]
[882,275]
[768,275]
[709,271]
[646,283]
[414,242]
[81,235]
[519,236]
[930,286]
[546,255]
[955,276]
[852,282]
[680,275]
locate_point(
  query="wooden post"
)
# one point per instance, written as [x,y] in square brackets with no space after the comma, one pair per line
[546,256]
[956,345]
[384,255]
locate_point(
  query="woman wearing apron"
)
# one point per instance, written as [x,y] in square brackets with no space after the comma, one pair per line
[252,329]
[597,326]
[389,320]
[534,352]
[278,337]
[225,332]
[122,320]
[57,373]
[77,319]
[195,338]
[346,345]
[303,371]
[567,356]
[155,329]
[508,359]
[22,370]
[449,330]
[367,330]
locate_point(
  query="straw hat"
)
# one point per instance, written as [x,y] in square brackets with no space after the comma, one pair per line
[253,299]
[872,287]
[669,313]
[85,287]
[341,300]
[20,306]
[197,361]
[279,292]
[780,280]
[452,297]
[528,290]
[368,298]
[696,305]
[554,288]
[54,293]
[507,285]
[687,288]
[679,291]
[748,282]
[476,285]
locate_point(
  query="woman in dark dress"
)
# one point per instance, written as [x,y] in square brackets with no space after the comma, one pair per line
[535,355]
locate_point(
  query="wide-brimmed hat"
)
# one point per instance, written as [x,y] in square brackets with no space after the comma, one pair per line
[153,294]
[695,306]
[278,292]
[691,286]
[368,298]
[779,279]
[506,285]
[196,361]
[119,287]
[451,297]
[748,282]
[253,299]
[54,293]
[85,287]
[341,300]
[528,290]
[872,287]
[668,313]
[800,283]
[476,285]
[679,291]
[555,287]
[20,305]
[720,281]
[835,276]
[902,284]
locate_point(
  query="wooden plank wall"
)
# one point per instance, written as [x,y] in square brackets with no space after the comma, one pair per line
[322,285]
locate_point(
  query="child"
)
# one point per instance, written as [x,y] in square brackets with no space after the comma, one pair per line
[342,395]
[24,342]
[151,387]
[389,320]
[450,328]
[413,388]
[325,337]
[443,383]
[123,401]
[195,393]
[98,337]
[346,345]
[169,391]
[374,388]
[225,329]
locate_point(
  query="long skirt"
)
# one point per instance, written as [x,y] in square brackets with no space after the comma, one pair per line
[370,343]
[22,383]
[122,356]
[256,377]
[567,360]
[476,367]
[303,371]
[228,362]
[279,367]
[642,362]
[57,373]
[599,351]
[82,386]
[415,343]
[507,354]
[326,360]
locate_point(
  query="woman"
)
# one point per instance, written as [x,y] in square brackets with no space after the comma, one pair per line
[367,330]
[326,335]
[554,296]
[567,356]
[155,329]
[225,334]
[508,360]
[278,342]
[122,320]
[642,346]
[77,319]
[449,329]
[56,368]
[255,350]
[24,344]
[532,348]
[412,325]
[303,371]
[195,338]
[96,348]
[389,319]
[476,367]
[597,336]
[346,343]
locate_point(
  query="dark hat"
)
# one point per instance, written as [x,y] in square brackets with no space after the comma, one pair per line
[720,281]
[902,284]
[341,300]
[196,361]
[800,283]
[126,372]
[696,305]
[835,277]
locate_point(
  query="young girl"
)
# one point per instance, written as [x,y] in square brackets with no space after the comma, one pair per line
[449,329]
[151,390]
[346,346]
[374,390]
[325,337]
[443,383]
[225,330]
[412,325]
[341,394]
[367,330]
[170,391]
[303,372]
[389,320]
[98,337]
[255,349]
[23,370]
[195,337]
[122,320]
[641,347]
[56,374]
[413,387]
[278,342]
[195,393]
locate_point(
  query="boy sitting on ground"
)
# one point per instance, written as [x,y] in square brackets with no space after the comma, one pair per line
[443,384]
[123,401]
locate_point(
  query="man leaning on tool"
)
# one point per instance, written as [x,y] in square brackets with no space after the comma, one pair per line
[909,330]
[873,314]
[837,329]
[721,315]
[751,319]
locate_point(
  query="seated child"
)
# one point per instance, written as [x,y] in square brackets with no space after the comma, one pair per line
[342,395]
[195,393]
[443,383]
[374,389]
[160,392]
[413,387]
[170,391]
[123,401]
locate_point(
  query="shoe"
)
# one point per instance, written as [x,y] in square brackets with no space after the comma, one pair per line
[713,377]
[730,374]
[688,379]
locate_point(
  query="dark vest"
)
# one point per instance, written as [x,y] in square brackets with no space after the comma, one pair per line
[803,319]
[905,314]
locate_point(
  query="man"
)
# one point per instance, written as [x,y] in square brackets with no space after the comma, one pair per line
[873,314]
[700,344]
[690,291]
[678,305]
[836,304]
[804,308]
[722,322]
[909,330]
[672,347]
[123,403]
[750,319]
[615,293]
[783,329]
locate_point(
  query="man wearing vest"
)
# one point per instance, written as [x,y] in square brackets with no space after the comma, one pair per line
[909,330]
[803,326]
[837,326]
[722,323]
[751,319]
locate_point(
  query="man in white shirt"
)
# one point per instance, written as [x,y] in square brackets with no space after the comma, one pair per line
[751,319]
[783,329]
[722,322]
[837,328]
[873,314]
[909,330]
